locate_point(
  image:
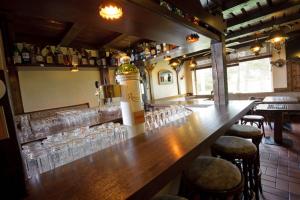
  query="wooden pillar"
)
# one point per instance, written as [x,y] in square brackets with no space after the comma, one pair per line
[219,71]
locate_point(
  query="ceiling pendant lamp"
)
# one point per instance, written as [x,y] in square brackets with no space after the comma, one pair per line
[167,58]
[174,63]
[256,47]
[277,36]
[192,38]
[110,10]
[192,63]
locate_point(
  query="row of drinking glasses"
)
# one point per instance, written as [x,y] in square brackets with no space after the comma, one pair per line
[62,148]
[161,117]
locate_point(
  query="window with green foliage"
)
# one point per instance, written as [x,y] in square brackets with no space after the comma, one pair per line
[248,77]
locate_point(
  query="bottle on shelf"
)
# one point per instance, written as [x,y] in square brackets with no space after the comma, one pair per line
[132,55]
[147,52]
[32,54]
[108,58]
[39,57]
[75,59]
[165,47]
[25,54]
[17,56]
[59,56]
[49,56]
[153,49]
[158,48]
[67,57]
[84,57]
[91,59]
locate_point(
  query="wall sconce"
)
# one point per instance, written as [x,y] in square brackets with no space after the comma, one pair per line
[256,47]
[192,63]
[277,38]
[174,63]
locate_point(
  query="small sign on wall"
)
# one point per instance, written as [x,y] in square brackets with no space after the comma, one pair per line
[3,127]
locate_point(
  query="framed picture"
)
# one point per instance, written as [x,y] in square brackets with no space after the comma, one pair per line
[165,77]
[3,128]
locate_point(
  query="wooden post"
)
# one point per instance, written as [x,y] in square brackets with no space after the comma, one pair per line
[219,71]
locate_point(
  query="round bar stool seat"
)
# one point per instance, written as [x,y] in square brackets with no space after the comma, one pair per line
[214,177]
[242,153]
[232,147]
[256,119]
[168,197]
[244,131]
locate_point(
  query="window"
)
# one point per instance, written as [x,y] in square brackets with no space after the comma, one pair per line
[248,77]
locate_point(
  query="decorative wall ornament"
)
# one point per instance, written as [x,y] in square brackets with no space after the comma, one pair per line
[165,77]
[278,63]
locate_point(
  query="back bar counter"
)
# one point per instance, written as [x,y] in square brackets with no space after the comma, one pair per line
[140,166]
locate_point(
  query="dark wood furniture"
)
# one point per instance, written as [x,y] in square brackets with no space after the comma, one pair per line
[139,167]
[276,111]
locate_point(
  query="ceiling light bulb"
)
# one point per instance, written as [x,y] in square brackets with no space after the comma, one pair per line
[110,10]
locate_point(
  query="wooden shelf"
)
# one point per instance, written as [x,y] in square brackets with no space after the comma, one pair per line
[54,67]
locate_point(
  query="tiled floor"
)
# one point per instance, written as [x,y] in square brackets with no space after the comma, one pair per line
[281,166]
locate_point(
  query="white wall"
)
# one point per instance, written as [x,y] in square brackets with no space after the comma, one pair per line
[162,91]
[279,73]
[52,89]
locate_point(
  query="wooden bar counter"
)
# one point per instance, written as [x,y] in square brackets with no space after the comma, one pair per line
[138,167]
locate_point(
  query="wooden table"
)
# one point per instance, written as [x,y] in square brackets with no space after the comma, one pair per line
[280,99]
[139,167]
[276,111]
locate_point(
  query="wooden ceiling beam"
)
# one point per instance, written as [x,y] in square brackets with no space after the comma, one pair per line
[113,39]
[262,12]
[194,8]
[73,32]
[264,25]
[230,4]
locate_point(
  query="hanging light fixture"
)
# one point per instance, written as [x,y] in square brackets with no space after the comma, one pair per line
[256,47]
[194,37]
[277,36]
[192,63]
[167,58]
[74,68]
[174,63]
[110,10]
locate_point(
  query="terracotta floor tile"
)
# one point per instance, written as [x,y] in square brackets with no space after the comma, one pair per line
[277,192]
[282,185]
[294,188]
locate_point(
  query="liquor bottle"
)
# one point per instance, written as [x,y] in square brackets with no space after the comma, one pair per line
[91,59]
[153,50]
[84,57]
[38,57]
[49,56]
[108,58]
[147,51]
[75,60]
[158,49]
[132,55]
[59,56]
[164,47]
[25,54]
[67,57]
[32,55]
[17,57]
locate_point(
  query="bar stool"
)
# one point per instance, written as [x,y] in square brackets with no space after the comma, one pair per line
[254,119]
[240,152]
[212,177]
[255,134]
[168,197]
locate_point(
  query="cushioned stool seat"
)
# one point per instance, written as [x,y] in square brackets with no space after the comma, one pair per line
[229,146]
[168,197]
[215,174]
[244,131]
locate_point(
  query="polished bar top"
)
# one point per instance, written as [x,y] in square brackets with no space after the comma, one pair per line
[139,167]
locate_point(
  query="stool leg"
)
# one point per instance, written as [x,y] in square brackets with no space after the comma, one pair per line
[245,172]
